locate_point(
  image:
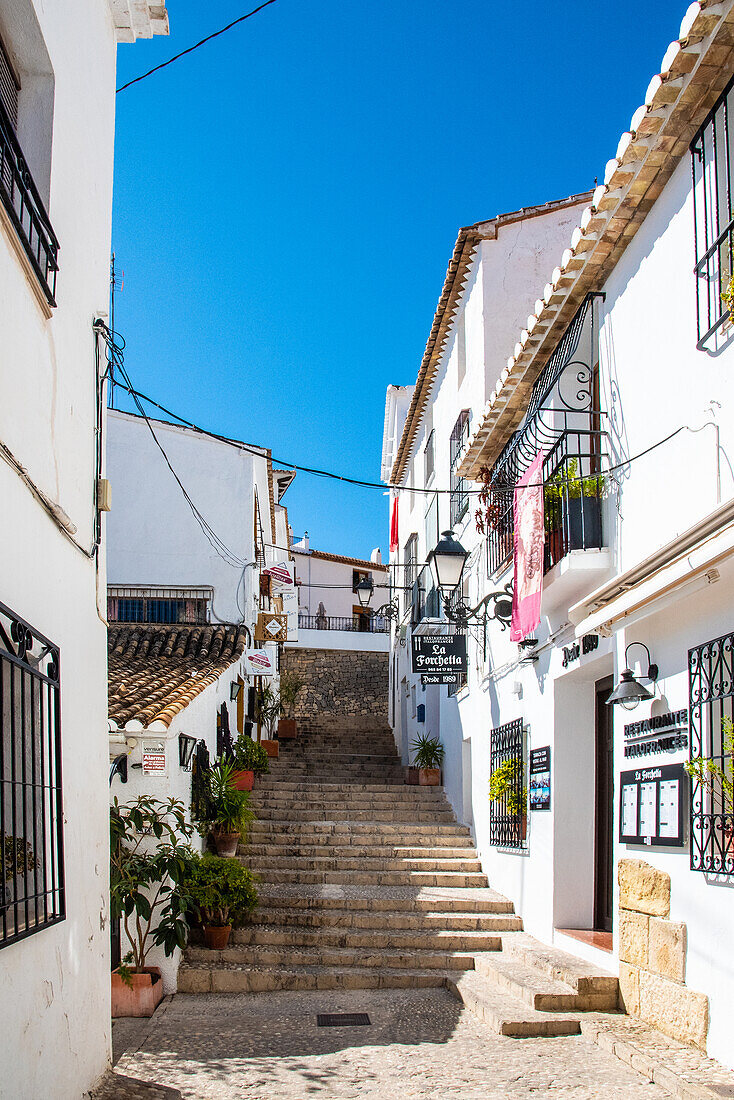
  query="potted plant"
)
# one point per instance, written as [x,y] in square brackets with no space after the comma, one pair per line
[290,687]
[718,780]
[572,509]
[222,894]
[428,758]
[267,711]
[225,812]
[248,759]
[148,859]
[507,783]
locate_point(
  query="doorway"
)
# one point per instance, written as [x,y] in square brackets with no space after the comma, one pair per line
[603,808]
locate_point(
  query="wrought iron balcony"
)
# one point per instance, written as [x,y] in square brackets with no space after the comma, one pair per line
[563,421]
[24,207]
[370,624]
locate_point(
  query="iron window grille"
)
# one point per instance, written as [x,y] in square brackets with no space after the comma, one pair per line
[425,600]
[713,218]
[410,571]
[563,419]
[24,207]
[508,814]
[31,819]
[138,609]
[429,457]
[711,708]
[459,495]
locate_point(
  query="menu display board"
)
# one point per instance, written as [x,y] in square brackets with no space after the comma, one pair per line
[652,804]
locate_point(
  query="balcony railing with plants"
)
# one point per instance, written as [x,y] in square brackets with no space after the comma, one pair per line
[24,207]
[564,422]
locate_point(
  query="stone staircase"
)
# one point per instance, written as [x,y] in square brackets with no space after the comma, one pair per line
[367,883]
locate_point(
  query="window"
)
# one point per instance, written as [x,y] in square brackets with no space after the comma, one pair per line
[507,786]
[429,458]
[410,562]
[162,606]
[459,495]
[18,192]
[359,575]
[713,212]
[31,821]
[432,523]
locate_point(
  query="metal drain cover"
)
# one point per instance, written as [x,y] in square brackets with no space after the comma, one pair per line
[342,1019]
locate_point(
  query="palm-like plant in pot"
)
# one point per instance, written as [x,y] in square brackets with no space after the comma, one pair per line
[291,685]
[428,754]
[149,854]
[226,812]
[249,759]
[222,895]
[267,712]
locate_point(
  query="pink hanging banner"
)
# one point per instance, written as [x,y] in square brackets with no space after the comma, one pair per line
[529,545]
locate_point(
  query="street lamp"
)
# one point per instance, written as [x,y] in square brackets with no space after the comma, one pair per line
[364,591]
[447,561]
[629,691]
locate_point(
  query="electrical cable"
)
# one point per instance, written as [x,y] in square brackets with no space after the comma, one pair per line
[191,49]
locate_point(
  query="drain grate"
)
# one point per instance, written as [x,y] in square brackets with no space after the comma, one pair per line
[342,1019]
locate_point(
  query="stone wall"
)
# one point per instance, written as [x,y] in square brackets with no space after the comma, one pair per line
[340,683]
[652,954]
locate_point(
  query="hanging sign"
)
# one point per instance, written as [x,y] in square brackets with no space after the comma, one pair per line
[528,551]
[271,627]
[651,805]
[259,662]
[439,678]
[282,573]
[438,654]
[540,777]
[154,757]
[290,609]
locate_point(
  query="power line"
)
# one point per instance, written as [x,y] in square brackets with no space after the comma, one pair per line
[196,45]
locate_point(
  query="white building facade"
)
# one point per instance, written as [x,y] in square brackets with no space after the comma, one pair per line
[627,394]
[57,109]
[331,615]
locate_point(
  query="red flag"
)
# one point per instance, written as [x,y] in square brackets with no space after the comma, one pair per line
[529,544]
[394,536]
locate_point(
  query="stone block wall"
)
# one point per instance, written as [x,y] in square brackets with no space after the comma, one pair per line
[340,683]
[652,954]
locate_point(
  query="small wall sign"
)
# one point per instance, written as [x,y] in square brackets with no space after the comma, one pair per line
[438,654]
[540,778]
[439,678]
[587,644]
[259,662]
[271,627]
[651,805]
[154,757]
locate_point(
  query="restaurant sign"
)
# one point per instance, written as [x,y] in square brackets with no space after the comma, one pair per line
[438,655]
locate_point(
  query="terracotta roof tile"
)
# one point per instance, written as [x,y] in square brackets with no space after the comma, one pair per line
[155,671]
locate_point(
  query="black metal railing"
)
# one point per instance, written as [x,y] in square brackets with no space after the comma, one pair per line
[31,819]
[713,218]
[711,711]
[508,811]
[459,495]
[24,207]
[369,624]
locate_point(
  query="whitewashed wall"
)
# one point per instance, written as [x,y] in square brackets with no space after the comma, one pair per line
[54,995]
[330,582]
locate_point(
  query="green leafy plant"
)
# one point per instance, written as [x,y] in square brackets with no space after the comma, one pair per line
[291,684]
[148,859]
[727,295]
[221,891]
[428,752]
[505,781]
[125,969]
[711,775]
[267,709]
[227,809]
[16,857]
[249,756]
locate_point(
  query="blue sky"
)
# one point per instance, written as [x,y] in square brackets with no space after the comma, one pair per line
[287,199]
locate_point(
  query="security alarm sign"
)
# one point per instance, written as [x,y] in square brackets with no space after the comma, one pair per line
[154,757]
[438,653]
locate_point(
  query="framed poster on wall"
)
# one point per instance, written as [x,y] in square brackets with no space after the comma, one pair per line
[540,778]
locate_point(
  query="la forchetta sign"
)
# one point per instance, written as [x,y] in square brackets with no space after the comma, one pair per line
[432,654]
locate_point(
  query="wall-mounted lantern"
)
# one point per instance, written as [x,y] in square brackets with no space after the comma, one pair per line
[629,692]
[364,591]
[234,689]
[186,746]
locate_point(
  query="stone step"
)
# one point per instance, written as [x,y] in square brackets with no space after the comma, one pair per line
[374,878]
[518,979]
[371,899]
[263,864]
[377,938]
[247,979]
[270,783]
[366,843]
[428,921]
[294,850]
[329,806]
[410,796]
[320,955]
[341,755]
[579,975]
[409,830]
[506,1014]
[344,814]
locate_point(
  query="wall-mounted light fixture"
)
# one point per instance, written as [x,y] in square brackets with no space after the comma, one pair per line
[364,591]
[234,689]
[629,691]
[447,561]
[186,746]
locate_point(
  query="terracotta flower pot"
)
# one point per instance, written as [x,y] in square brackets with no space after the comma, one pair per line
[287,728]
[144,997]
[271,748]
[226,842]
[429,777]
[217,936]
[243,780]
[411,775]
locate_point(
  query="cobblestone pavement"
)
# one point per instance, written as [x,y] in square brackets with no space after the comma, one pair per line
[421,1044]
